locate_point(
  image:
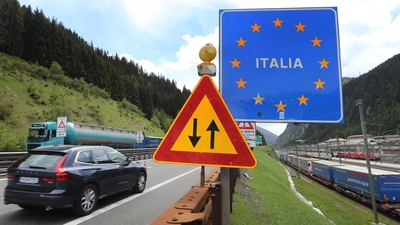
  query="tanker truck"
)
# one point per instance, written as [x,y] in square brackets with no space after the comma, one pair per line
[44,133]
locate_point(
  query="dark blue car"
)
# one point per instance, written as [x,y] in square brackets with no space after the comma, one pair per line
[71,176]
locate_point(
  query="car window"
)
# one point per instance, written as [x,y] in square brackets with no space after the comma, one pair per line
[84,157]
[39,160]
[115,156]
[100,156]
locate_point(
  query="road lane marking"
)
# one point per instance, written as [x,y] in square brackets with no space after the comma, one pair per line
[123,201]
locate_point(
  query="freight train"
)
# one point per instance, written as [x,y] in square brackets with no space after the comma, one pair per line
[329,155]
[45,133]
[352,180]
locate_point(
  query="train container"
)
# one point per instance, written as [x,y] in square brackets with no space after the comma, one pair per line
[283,157]
[44,133]
[356,178]
[304,163]
[290,159]
[320,155]
[324,169]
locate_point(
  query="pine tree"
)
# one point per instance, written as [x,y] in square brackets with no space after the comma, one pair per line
[12,19]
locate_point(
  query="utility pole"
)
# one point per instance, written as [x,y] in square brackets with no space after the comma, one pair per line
[297,158]
[371,184]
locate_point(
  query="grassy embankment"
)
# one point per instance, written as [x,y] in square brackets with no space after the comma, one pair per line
[266,198]
[30,93]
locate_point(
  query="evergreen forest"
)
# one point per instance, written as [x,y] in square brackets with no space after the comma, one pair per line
[29,35]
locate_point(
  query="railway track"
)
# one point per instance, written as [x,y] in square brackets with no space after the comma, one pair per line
[391,210]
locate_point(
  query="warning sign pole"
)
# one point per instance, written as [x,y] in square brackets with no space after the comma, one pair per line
[207,54]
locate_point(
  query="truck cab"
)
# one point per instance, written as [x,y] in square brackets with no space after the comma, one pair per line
[43,134]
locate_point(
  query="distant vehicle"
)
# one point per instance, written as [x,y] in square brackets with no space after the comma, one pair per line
[150,142]
[45,134]
[71,176]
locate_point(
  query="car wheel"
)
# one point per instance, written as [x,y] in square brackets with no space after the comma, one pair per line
[86,201]
[140,183]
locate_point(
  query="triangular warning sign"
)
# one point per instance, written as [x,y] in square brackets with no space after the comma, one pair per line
[245,126]
[61,124]
[205,133]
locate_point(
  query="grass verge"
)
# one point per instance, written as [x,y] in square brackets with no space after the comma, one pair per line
[266,198]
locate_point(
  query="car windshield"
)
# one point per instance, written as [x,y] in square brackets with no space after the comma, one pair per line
[37,133]
[40,160]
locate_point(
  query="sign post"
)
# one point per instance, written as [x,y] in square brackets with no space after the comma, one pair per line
[205,133]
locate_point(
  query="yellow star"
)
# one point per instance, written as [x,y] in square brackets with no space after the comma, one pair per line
[300,27]
[277,22]
[303,100]
[241,42]
[235,63]
[316,42]
[258,100]
[324,63]
[319,84]
[241,83]
[256,27]
[281,107]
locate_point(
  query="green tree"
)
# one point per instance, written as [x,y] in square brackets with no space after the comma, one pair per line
[2,29]
[13,25]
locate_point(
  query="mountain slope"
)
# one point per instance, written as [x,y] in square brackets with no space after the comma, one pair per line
[380,91]
[27,97]
[269,137]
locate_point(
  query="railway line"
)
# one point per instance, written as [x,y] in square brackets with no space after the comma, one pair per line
[350,178]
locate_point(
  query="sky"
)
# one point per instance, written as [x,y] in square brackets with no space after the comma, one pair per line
[165,36]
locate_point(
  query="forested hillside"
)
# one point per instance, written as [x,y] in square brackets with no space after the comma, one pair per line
[380,91]
[29,35]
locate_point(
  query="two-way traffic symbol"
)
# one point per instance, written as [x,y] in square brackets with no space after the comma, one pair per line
[213,127]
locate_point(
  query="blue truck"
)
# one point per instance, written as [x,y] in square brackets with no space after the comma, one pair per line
[45,133]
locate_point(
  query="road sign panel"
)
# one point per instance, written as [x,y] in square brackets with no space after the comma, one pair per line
[61,127]
[205,133]
[248,130]
[281,65]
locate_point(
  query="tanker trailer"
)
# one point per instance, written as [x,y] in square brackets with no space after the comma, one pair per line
[44,133]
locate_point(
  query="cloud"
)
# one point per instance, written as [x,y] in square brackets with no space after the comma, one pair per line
[147,65]
[188,54]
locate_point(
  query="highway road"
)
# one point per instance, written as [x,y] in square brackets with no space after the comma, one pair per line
[166,184]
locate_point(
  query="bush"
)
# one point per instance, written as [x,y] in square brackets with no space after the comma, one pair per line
[33,92]
[6,108]
[10,141]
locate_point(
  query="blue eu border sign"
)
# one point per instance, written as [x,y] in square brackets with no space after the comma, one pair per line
[281,65]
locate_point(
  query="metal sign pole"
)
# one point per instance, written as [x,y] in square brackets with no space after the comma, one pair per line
[202,176]
[371,184]
[225,196]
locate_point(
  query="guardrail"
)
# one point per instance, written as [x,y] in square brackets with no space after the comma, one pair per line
[202,204]
[6,158]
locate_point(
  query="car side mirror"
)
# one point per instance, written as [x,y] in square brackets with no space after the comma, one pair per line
[127,161]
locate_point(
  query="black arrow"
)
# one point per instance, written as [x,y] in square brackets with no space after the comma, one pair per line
[194,139]
[212,127]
